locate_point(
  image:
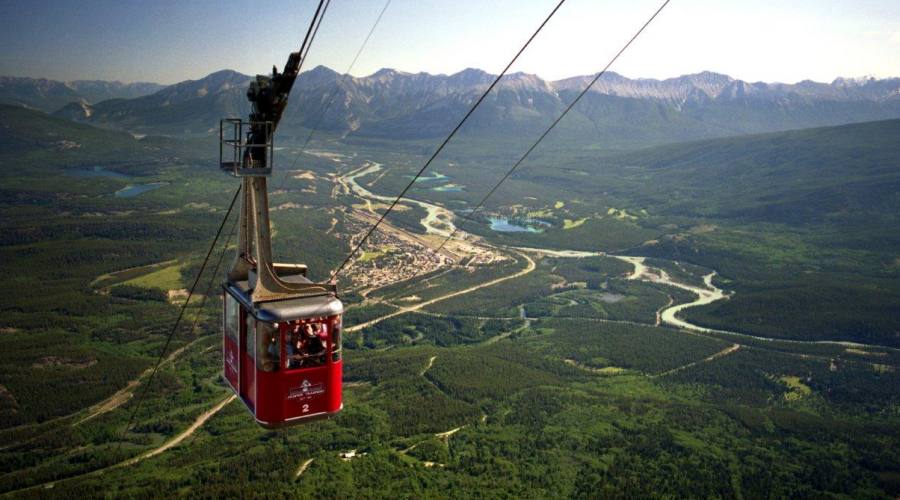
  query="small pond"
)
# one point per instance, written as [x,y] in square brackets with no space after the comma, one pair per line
[133,190]
[436,176]
[129,191]
[503,225]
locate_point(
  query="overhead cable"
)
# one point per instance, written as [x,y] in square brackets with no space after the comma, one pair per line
[552,126]
[443,144]
[333,95]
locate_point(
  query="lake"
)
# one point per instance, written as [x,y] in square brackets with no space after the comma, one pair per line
[129,191]
[503,225]
[436,176]
[133,190]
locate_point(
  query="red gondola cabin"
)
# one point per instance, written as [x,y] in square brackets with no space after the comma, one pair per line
[281,344]
[283,358]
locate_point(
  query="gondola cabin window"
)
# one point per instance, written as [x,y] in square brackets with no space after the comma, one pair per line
[269,346]
[231,344]
[232,318]
[336,325]
[307,344]
[250,340]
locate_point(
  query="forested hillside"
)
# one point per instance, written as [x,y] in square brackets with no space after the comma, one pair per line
[567,355]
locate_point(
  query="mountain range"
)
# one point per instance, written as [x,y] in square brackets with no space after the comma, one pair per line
[391,104]
[50,95]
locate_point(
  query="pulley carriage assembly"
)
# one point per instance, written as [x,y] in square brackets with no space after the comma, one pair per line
[281,331]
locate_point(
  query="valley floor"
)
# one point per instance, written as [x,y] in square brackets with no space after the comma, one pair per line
[503,370]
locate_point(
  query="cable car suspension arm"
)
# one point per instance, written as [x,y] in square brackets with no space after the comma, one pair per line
[252,162]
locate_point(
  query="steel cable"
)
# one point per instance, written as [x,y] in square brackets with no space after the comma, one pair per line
[443,144]
[552,126]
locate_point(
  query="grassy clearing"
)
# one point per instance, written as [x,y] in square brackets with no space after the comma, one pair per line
[124,275]
[167,278]
[798,390]
[572,224]
[369,256]
[620,214]
[542,213]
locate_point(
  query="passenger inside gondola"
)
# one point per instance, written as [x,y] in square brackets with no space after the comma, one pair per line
[317,335]
[307,344]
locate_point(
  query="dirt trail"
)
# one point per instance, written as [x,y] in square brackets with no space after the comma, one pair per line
[184,434]
[334,223]
[440,435]
[114,274]
[721,354]
[303,468]
[446,435]
[109,404]
[428,366]
[201,419]
[504,335]
[607,370]
[116,400]
[408,309]
[123,395]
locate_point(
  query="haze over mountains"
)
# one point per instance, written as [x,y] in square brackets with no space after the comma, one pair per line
[50,95]
[391,104]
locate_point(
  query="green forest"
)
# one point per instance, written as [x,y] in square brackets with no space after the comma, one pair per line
[563,381]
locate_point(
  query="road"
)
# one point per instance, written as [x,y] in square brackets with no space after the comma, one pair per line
[175,441]
[438,221]
[706,295]
[721,354]
[303,468]
[408,309]
[446,435]
[428,366]
[123,395]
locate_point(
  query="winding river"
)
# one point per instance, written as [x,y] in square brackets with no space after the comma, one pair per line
[642,272]
[706,295]
[438,220]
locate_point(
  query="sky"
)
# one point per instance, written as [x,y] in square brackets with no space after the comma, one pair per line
[167,41]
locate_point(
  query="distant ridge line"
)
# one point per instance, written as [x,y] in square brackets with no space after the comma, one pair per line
[840,81]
